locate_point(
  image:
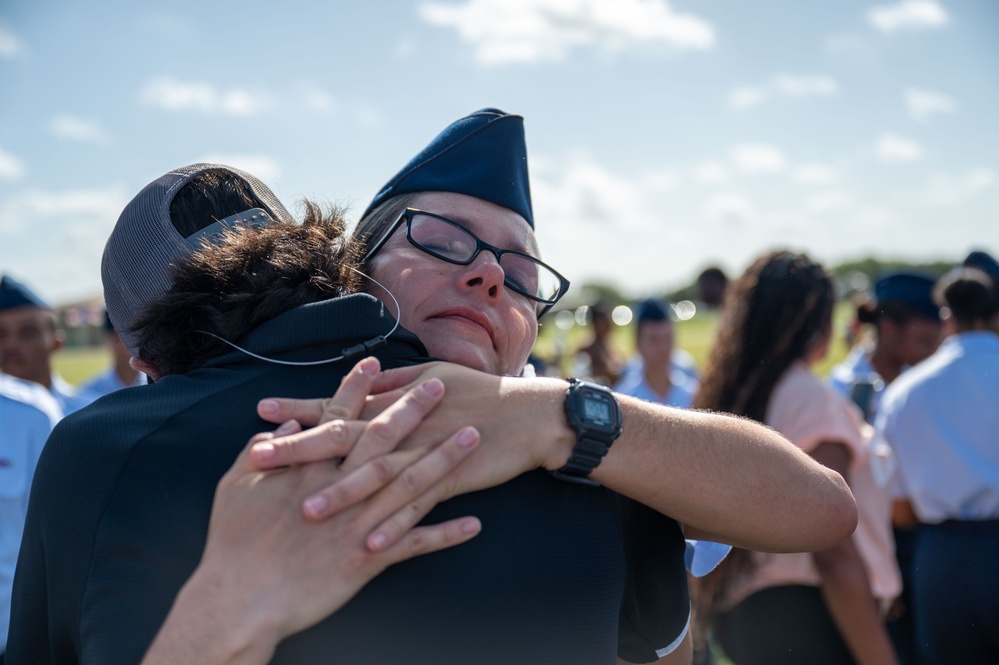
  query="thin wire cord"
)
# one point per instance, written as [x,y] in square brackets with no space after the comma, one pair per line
[368,346]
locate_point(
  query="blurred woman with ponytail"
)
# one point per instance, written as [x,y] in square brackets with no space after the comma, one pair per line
[823,607]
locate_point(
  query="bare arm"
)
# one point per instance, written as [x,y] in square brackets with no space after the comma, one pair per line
[734,479]
[846,588]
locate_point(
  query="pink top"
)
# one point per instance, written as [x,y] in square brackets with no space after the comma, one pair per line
[808,413]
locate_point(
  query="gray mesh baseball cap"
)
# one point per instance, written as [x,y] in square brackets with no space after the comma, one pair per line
[144,243]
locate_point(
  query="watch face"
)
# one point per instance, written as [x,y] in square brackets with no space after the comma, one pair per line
[597,410]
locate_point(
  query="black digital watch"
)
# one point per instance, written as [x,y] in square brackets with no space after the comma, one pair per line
[594,415]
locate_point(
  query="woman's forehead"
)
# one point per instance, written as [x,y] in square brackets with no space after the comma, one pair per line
[493,223]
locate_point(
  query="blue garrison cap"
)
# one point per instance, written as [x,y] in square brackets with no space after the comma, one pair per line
[983,262]
[652,309]
[14,294]
[482,155]
[909,288]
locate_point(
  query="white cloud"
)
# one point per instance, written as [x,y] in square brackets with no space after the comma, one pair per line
[783,84]
[814,173]
[908,15]
[757,158]
[583,190]
[851,45]
[798,86]
[170,94]
[829,201]
[710,173]
[892,148]
[317,98]
[520,31]
[952,189]
[924,103]
[262,166]
[729,207]
[80,208]
[11,168]
[659,181]
[747,96]
[73,128]
[10,45]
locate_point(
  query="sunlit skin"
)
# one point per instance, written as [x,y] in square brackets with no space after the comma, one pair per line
[462,314]
[28,338]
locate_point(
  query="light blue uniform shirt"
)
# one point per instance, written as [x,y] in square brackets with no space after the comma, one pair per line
[67,397]
[27,415]
[942,419]
[681,392]
[108,382]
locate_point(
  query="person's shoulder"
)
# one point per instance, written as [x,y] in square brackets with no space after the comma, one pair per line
[24,396]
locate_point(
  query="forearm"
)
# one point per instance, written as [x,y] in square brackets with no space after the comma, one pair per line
[846,590]
[205,628]
[727,476]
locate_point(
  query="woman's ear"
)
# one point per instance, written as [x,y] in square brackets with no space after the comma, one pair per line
[140,365]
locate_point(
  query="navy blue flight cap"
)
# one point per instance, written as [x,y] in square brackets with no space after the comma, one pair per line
[983,262]
[910,288]
[14,294]
[482,155]
[652,309]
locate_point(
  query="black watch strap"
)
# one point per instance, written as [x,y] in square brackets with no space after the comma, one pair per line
[586,456]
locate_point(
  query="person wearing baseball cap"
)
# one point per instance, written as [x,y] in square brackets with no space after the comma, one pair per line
[204,260]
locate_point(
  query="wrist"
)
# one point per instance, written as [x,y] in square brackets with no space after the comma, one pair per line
[217,625]
[554,438]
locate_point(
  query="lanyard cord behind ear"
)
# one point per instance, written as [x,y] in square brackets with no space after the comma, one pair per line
[364,347]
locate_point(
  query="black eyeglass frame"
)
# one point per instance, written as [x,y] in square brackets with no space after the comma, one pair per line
[407,216]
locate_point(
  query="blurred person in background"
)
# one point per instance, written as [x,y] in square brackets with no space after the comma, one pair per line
[29,337]
[120,374]
[907,329]
[942,421]
[657,378]
[711,286]
[27,415]
[598,359]
[816,608]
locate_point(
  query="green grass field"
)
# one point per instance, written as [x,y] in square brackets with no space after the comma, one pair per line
[695,336]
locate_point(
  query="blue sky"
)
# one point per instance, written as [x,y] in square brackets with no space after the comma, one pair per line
[663,136]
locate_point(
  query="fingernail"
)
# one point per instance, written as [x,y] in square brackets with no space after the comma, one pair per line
[287,428]
[268,407]
[263,452]
[471,526]
[315,506]
[468,437]
[433,387]
[369,366]
[377,541]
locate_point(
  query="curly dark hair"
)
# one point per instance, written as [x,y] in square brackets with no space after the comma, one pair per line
[247,277]
[773,315]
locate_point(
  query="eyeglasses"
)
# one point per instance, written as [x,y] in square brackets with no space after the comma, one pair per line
[448,241]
